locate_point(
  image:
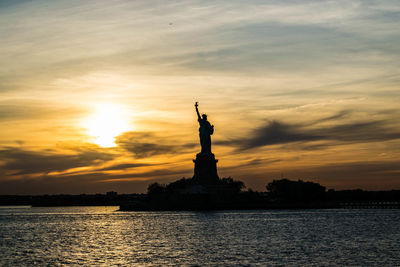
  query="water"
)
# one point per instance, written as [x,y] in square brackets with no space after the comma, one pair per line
[101,236]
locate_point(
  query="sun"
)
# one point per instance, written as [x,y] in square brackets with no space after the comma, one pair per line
[107,122]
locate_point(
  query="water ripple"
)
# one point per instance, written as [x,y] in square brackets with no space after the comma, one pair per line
[101,236]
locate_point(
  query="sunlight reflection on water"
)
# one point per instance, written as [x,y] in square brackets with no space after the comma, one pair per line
[101,236]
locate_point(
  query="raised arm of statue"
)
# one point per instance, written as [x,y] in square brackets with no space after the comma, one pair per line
[197,110]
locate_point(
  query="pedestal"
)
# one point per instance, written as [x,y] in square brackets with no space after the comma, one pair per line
[205,168]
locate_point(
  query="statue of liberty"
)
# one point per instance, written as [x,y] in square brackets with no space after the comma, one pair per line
[205,131]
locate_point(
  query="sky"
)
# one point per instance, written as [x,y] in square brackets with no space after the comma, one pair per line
[99,96]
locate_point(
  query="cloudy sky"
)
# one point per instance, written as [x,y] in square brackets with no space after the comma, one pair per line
[98,95]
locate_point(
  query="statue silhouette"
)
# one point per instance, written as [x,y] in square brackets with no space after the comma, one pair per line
[205,132]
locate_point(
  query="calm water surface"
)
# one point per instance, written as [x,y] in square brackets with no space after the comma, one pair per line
[102,236]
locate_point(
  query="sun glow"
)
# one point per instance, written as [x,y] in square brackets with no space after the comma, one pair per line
[107,122]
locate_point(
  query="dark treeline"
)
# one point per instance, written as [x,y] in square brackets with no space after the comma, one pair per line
[226,193]
[287,190]
[189,186]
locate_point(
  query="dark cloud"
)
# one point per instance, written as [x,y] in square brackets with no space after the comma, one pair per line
[276,132]
[143,144]
[28,162]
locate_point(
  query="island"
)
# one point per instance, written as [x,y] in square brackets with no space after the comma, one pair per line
[206,191]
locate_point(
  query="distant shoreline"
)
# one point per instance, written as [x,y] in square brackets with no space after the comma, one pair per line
[140,202]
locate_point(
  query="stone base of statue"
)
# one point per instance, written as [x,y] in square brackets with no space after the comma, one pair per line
[205,168]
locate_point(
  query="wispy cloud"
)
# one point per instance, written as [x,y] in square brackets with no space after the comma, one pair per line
[28,110]
[123,166]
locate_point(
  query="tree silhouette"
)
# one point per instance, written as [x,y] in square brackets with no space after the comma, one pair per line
[288,190]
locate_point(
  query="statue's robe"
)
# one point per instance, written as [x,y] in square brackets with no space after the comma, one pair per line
[205,131]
